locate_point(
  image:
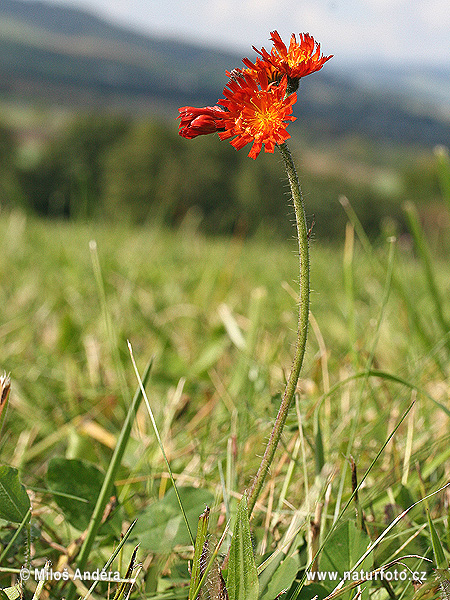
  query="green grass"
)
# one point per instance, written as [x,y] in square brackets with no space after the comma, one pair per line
[218,317]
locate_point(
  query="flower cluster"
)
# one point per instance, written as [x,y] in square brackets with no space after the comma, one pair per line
[258,99]
[299,60]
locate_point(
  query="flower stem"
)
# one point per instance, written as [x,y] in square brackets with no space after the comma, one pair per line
[302,329]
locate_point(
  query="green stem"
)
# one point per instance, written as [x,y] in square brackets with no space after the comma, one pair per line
[302,329]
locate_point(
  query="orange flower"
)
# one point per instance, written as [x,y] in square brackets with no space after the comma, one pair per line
[256,111]
[301,59]
[200,121]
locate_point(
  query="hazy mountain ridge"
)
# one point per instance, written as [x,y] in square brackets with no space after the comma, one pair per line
[68,55]
[42,41]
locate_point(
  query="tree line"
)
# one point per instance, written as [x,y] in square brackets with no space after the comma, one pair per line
[140,171]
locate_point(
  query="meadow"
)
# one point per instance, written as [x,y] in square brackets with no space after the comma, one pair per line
[156,440]
[367,439]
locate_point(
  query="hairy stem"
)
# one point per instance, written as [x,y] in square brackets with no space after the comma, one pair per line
[302,329]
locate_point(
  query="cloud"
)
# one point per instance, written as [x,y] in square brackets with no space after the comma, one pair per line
[350,29]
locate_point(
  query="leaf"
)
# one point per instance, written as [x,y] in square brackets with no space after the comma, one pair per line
[11,593]
[161,525]
[14,500]
[209,357]
[212,582]
[242,582]
[75,485]
[312,590]
[438,551]
[344,548]
[319,452]
[202,530]
[124,589]
[282,578]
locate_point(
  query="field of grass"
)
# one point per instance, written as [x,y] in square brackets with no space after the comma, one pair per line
[218,317]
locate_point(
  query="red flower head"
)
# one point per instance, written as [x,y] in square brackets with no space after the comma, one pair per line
[256,111]
[200,121]
[258,100]
[301,59]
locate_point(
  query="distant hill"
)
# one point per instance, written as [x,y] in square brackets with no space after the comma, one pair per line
[74,52]
[68,56]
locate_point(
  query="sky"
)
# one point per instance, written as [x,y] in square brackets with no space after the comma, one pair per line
[395,30]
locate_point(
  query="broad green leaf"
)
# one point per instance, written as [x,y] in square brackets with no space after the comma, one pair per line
[11,593]
[418,544]
[405,499]
[242,582]
[14,501]
[161,525]
[209,357]
[344,548]
[75,485]
[312,590]
[282,578]
[266,574]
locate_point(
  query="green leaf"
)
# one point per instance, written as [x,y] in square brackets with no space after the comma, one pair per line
[75,485]
[124,589]
[14,501]
[161,525]
[209,357]
[11,593]
[319,452]
[212,583]
[202,530]
[438,551]
[242,582]
[312,590]
[282,578]
[344,548]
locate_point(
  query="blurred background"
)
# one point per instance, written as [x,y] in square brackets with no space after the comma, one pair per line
[89,92]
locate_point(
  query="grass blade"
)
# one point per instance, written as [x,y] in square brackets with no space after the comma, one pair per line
[403,290]
[158,437]
[438,550]
[110,475]
[369,362]
[110,332]
[301,583]
[427,263]
[112,557]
